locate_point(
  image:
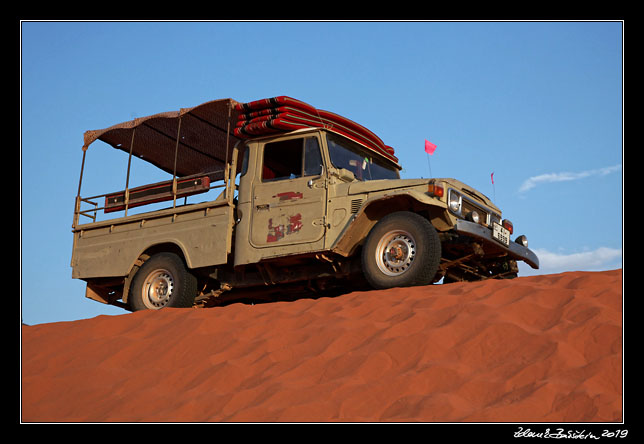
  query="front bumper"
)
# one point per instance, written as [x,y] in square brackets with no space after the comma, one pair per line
[515,250]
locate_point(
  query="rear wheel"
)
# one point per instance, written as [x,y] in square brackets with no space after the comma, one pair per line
[402,250]
[162,281]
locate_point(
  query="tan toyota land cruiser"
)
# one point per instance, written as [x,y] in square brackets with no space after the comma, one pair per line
[309,200]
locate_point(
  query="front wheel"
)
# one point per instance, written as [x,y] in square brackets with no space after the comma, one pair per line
[162,281]
[402,250]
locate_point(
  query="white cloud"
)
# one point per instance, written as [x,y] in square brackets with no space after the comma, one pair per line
[602,258]
[565,176]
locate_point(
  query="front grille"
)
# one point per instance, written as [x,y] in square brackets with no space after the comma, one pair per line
[468,207]
[467,204]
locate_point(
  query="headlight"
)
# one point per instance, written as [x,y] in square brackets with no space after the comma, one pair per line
[522,240]
[454,201]
[473,216]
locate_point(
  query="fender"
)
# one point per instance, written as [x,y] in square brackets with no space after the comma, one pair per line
[379,205]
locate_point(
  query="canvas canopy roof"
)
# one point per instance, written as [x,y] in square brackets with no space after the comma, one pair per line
[205,138]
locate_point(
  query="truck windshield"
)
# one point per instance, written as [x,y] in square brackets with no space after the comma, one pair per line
[363,164]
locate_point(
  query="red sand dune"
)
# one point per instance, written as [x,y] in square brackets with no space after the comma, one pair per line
[533,349]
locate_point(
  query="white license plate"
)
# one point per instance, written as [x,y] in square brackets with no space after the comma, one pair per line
[501,234]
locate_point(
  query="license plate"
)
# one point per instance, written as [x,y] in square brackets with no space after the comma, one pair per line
[500,234]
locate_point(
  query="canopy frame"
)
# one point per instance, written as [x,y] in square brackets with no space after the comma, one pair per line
[201,145]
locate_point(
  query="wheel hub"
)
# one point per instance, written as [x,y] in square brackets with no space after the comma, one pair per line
[157,289]
[395,252]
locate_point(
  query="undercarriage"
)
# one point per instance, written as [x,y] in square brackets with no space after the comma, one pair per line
[465,259]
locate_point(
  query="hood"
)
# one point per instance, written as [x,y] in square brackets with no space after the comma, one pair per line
[391,184]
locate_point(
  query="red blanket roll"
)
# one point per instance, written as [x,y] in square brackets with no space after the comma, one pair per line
[283,113]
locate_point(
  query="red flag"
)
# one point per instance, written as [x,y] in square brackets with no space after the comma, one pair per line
[492,176]
[429,147]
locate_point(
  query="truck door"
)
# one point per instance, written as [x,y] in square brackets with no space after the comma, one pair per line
[289,195]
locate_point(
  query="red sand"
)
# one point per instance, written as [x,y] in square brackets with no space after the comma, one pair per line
[533,349]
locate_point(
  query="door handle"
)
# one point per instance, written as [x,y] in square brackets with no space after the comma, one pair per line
[262,207]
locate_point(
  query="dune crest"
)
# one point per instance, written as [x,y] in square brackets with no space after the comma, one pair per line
[533,349]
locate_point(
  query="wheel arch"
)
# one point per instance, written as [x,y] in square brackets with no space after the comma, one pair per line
[373,210]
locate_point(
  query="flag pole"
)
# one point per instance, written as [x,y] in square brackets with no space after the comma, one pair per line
[429,149]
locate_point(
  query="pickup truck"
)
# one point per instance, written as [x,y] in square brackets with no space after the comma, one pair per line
[303,199]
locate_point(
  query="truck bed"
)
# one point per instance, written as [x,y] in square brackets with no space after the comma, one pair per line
[110,248]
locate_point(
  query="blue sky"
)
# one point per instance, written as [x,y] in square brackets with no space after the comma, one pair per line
[540,104]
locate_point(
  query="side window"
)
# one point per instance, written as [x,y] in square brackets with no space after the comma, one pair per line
[290,159]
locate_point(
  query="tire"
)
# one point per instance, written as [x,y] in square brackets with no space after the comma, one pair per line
[162,281]
[402,250]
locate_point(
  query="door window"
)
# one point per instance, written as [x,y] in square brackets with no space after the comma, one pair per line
[292,158]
